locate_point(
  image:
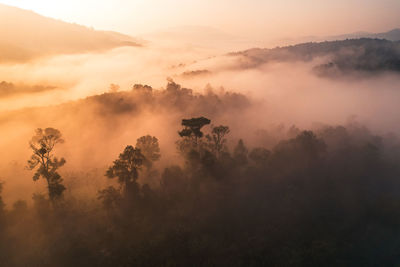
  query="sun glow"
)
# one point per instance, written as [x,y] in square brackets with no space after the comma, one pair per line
[273,18]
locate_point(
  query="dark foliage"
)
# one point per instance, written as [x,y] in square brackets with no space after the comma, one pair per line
[44,161]
[324,198]
[1,199]
[352,55]
[126,169]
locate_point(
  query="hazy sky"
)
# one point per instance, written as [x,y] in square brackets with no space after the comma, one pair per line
[277,18]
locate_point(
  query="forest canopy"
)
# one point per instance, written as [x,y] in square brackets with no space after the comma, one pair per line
[322,197]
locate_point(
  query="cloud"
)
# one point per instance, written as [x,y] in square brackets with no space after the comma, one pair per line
[10,89]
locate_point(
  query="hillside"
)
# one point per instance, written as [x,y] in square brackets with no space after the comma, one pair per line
[392,35]
[27,35]
[366,55]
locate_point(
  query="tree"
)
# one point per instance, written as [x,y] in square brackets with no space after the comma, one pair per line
[1,199]
[217,138]
[260,155]
[110,197]
[303,151]
[2,218]
[306,146]
[191,133]
[41,204]
[150,149]
[126,168]
[114,88]
[173,181]
[20,206]
[240,153]
[46,164]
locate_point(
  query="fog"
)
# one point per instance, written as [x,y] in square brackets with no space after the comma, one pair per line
[193,147]
[276,94]
[289,91]
[268,21]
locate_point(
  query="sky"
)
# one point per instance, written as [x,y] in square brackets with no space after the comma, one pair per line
[276,18]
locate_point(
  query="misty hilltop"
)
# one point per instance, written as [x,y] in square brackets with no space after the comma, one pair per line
[10,89]
[339,57]
[392,35]
[203,139]
[27,35]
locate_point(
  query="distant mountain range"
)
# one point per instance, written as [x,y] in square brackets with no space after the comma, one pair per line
[191,34]
[393,35]
[365,54]
[26,35]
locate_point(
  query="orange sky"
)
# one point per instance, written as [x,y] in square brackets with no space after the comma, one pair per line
[250,18]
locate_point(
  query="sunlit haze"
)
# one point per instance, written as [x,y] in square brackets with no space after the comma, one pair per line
[250,18]
[199,133]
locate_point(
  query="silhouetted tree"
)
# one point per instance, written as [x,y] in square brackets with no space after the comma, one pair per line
[150,149]
[2,221]
[126,168]
[217,139]
[192,128]
[2,205]
[46,164]
[173,181]
[325,199]
[240,153]
[301,151]
[144,89]
[41,204]
[110,197]
[260,155]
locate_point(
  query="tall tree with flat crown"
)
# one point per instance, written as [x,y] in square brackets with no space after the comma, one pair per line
[192,128]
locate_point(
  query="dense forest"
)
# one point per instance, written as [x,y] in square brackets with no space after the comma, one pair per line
[199,133]
[327,197]
[342,57]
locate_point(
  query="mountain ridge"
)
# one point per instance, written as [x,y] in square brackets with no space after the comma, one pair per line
[344,56]
[28,35]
